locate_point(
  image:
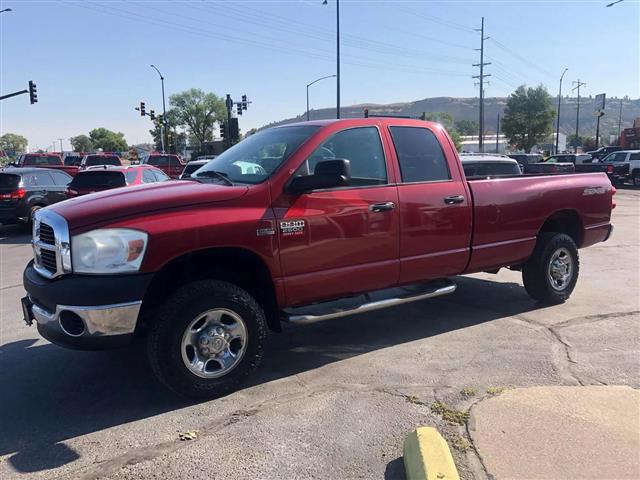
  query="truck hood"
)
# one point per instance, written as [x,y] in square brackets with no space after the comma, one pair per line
[103,207]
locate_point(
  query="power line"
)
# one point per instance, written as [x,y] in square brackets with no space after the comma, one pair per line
[521,58]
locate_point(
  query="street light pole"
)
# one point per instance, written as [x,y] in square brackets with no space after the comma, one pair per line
[325,2]
[164,109]
[559,99]
[308,85]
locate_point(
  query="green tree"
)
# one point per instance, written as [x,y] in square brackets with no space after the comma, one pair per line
[443,118]
[107,140]
[528,117]
[199,110]
[446,120]
[589,144]
[172,123]
[12,143]
[467,127]
[575,142]
[81,143]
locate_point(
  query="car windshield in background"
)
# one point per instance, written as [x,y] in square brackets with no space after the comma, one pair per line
[73,160]
[8,180]
[490,169]
[190,168]
[163,160]
[255,158]
[41,160]
[98,179]
[93,160]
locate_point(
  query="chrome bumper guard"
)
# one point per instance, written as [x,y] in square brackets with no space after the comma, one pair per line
[97,321]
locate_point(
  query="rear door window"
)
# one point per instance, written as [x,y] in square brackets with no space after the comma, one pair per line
[39,179]
[61,178]
[634,156]
[148,176]
[98,179]
[420,155]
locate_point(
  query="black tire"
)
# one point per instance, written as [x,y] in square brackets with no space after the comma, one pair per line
[635,179]
[32,212]
[536,274]
[175,315]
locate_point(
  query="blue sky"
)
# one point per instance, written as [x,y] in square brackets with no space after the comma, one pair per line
[90,59]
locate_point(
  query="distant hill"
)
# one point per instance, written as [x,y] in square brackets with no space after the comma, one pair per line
[467,109]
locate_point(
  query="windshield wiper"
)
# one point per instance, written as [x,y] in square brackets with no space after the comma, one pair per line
[214,173]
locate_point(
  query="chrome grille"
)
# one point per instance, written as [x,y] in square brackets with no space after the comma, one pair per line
[46,234]
[48,260]
[51,246]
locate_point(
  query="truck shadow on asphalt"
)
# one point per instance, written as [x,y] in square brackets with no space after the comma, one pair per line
[50,394]
[14,235]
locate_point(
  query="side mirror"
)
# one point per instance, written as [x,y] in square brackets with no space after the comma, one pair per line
[327,174]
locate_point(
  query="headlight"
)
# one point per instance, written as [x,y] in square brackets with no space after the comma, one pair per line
[108,250]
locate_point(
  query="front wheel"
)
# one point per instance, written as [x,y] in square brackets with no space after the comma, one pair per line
[206,339]
[550,275]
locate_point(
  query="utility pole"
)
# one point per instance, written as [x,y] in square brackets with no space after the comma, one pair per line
[577,84]
[558,120]
[497,134]
[620,120]
[61,147]
[482,64]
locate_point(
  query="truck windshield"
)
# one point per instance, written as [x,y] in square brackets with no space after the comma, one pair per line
[93,160]
[98,179]
[255,158]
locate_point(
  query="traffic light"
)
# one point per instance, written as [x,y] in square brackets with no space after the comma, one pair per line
[234,130]
[33,92]
[244,102]
[239,109]
[152,115]
[223,130]
[142,109]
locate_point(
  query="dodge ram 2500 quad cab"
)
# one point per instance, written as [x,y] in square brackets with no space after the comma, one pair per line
[296,223]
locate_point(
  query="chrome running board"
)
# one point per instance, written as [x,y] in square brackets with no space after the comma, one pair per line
[387,298]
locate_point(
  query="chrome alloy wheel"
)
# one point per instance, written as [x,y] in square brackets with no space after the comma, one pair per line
[214,343]
[560,269]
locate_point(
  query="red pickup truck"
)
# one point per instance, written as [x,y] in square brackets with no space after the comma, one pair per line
[296,223]
[45,160]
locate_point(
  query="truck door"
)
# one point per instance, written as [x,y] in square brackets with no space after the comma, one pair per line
[339,241]
[435,210]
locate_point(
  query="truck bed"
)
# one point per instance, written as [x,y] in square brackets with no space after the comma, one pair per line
[504,235]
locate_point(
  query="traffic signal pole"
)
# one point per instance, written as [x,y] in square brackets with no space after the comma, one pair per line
[14,94]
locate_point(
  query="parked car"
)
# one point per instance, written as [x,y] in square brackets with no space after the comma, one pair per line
[72,159]
[283,224]
[525,159]
[96,159]
[191,167]
[25,190]
[97,179]
[489,166]
[45,160]
[626,166]
[603,152]
[170,164]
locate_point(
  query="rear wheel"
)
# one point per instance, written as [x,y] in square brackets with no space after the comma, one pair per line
[551,273]
[635,179]
[206,339]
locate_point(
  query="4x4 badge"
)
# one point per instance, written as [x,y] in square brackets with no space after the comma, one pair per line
[265,232]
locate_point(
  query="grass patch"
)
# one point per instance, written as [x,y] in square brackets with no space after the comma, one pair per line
[449,414]
[498,390]
[415,400]
[468,392]
[460,444]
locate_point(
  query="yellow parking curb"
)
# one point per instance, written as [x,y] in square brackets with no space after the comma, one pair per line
[427,456]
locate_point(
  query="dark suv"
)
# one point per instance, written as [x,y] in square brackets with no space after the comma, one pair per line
[25,190]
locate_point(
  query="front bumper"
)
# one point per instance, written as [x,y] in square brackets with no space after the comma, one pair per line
[84,311]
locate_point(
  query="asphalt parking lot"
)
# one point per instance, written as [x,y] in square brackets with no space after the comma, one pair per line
[332,400]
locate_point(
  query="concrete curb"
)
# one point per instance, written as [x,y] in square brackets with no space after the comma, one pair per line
[427,456]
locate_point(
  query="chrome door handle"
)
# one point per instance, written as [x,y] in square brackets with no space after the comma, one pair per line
[382,207]
[454,199]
